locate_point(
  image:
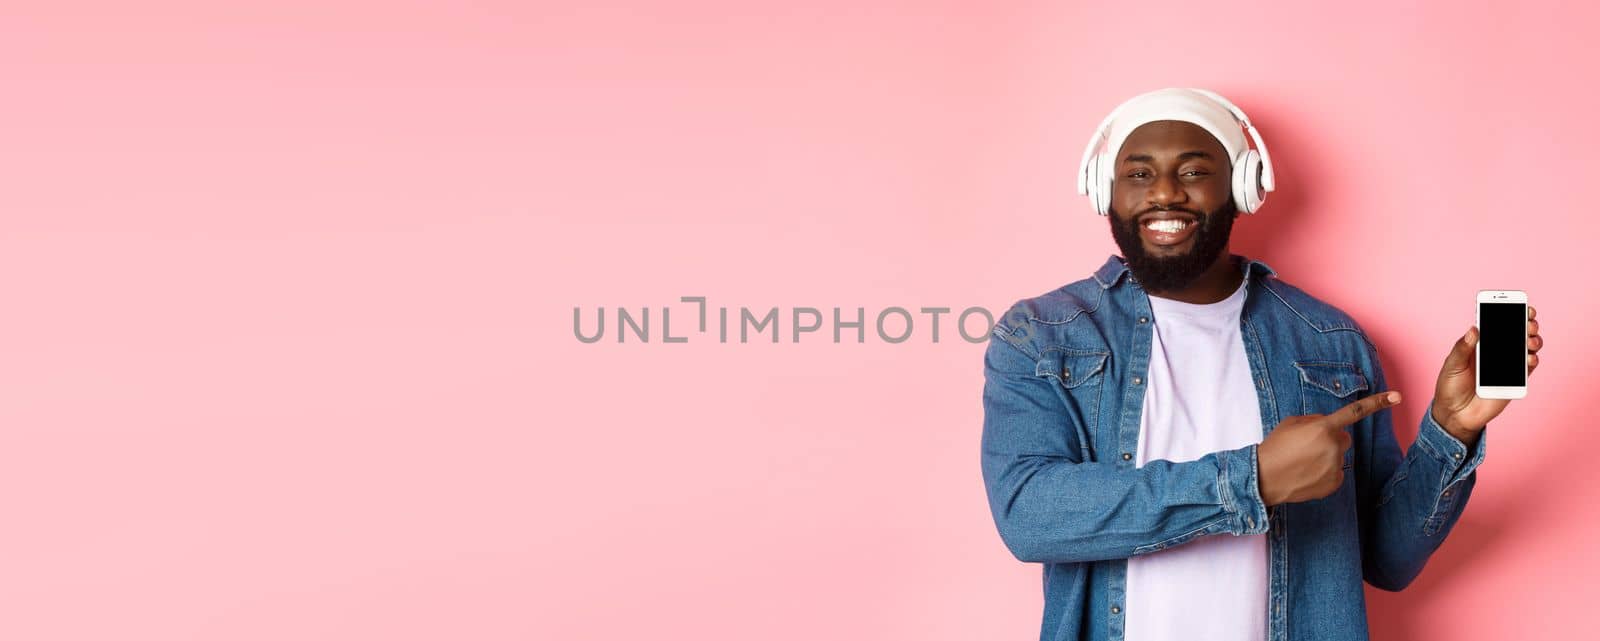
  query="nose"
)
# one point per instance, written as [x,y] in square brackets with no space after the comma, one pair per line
[1165,191]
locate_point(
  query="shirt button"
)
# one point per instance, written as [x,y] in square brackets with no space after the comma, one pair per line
[1336,385]
[1137,380]
[1457,454]
[1249,522]
[1116,610]
[1143,320]
[1126,456]
[1447,492]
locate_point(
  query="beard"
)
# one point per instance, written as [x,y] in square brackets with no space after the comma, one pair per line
[1171,273]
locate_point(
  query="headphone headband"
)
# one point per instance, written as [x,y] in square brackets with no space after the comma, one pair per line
[1268,179]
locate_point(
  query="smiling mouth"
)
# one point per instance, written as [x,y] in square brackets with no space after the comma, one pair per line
[1166,230]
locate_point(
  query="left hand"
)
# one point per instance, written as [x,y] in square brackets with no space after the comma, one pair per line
[1456,405]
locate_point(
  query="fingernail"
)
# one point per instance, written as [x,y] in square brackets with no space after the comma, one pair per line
[1394,397]
[1468,336]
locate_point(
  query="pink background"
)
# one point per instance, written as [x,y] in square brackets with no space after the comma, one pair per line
[287,350]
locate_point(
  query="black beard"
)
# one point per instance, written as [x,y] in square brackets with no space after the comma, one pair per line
[1173,273]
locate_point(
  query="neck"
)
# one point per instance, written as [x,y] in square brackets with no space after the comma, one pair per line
[1218,282]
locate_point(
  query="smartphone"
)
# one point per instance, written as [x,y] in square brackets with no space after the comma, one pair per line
[1502,356]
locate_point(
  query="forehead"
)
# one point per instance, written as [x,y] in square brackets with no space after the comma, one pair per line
[1171,137]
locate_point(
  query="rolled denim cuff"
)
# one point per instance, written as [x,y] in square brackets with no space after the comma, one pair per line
[1238,485]
[1458,462]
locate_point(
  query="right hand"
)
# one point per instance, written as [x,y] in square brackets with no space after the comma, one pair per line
[1302,459]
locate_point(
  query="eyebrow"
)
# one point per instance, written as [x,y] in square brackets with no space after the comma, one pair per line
[1181,157]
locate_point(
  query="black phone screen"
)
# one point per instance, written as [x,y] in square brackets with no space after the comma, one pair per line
[1502,344]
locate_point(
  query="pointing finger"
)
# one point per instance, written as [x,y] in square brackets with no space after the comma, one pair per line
[1362,408]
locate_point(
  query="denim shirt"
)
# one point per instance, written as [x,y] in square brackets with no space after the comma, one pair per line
[1062,396]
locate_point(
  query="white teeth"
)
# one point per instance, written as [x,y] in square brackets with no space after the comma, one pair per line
[1168,226]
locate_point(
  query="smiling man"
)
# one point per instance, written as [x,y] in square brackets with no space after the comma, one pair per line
[1192,447]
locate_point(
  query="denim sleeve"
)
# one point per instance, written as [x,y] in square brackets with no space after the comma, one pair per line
[1053,503]
[1408,505]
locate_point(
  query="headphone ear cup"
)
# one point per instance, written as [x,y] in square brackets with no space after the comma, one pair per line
[1092,179]
[1102,184]
[1247,192]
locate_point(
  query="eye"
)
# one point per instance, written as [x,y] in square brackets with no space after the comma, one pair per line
[1138,173]
[1197,172]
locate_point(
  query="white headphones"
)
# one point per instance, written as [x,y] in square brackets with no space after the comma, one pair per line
[1252,169]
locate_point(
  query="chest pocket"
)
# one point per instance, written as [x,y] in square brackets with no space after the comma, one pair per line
[1077,376]
[1327,386]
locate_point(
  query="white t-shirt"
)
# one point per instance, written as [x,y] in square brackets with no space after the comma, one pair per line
[1200,399]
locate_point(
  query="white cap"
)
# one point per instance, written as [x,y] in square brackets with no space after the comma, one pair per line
[1176,103]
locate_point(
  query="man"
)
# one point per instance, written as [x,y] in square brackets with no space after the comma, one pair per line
[1194,448]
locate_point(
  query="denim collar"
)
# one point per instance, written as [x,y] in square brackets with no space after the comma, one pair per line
[1112,271]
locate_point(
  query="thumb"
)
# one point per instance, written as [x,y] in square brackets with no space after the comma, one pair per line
[1460,358]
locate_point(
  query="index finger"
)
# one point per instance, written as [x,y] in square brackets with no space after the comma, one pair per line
[1362,408]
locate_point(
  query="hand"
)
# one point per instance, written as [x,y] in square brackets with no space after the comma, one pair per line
[1456,405]
[1303,457]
